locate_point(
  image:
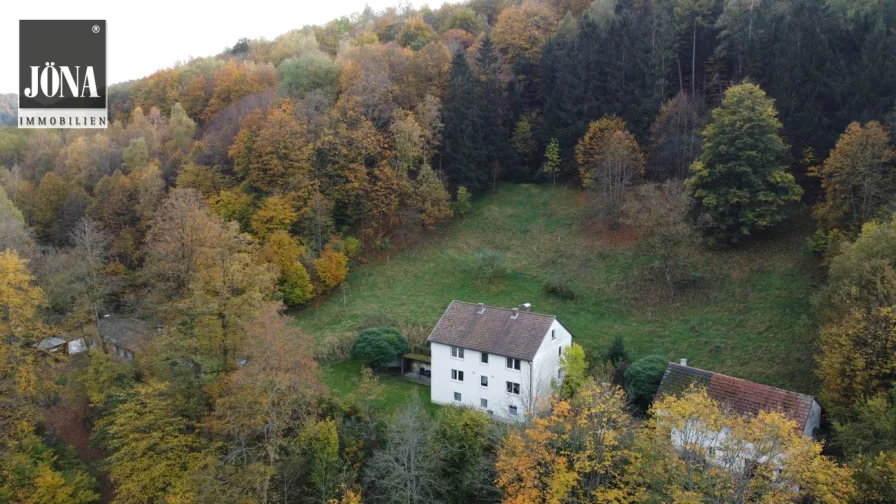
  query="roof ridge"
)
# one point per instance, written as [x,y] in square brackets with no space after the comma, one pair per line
[504,309]
[742,380]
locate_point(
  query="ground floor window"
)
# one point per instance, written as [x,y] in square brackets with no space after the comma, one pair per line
[483,403]
[512,410]
[457,396]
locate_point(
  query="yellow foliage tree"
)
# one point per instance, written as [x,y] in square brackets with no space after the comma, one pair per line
[693,450]
[331,268]
[858,177]
[858,356]
[522,31]
[275,214]
[578,453]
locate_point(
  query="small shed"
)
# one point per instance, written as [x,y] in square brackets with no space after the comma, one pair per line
[414,363]
[53,344]
[127,335]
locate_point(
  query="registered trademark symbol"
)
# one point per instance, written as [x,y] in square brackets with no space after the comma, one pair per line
[96,28]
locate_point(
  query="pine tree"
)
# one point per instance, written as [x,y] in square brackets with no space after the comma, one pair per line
[491,89]
[463,148]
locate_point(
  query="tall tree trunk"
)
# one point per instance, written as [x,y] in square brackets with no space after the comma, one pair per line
[694,60]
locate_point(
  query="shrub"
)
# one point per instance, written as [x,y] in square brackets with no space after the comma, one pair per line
[462,205]
[617,354]
[643,377]
[331,268]
[558,288]
[379,345]
[489,265]
[352,247]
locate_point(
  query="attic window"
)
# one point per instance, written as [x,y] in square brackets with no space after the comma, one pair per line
[553,336]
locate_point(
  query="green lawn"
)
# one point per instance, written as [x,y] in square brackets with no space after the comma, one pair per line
[747,312]
[342,378]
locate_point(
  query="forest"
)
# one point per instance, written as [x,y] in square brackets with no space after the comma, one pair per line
[238,203]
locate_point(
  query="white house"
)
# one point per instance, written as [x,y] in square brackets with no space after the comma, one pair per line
[497,359]
[740,397]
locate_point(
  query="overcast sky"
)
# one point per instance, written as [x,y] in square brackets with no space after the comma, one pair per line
[146,35]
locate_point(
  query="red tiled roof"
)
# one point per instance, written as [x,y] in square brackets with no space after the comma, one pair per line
[742,396]
[494,331]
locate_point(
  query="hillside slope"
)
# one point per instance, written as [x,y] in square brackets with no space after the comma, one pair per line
[746,313]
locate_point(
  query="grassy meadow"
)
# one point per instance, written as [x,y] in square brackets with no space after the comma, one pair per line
[743,312]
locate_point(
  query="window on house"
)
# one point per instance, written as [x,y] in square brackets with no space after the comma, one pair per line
[457,396]
[483,403]
[457,375]
[560,352]
[483,380]
[457,352]
[513,388]
[484,358]
[513,363]
[511,410]
[553,336]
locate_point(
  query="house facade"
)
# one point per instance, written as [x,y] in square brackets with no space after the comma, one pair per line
[502,361]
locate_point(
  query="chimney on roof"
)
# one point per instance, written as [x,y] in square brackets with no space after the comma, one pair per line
[481,308]
[526,307]
[516,313]
[683,362]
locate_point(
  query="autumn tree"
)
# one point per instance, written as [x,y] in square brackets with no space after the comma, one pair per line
[236,81]
[285,252]
[14,233]
[573,369]
[863,275]
[858,356]
[858,178]
[33,473]
[578,452]
[551,165]
[91,253]
[153,447]
[659,213]
[271,152]
[264,405]
[330,268]
[275,213]
[521,32]
[692,449]
[739,184]
[430,198]
[609,159]
[21,326]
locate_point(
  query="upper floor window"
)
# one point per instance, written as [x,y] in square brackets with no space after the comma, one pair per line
[457,375]
[484,358]
[513,388]
[457,352]
[513,363]
[553,336]
[483,380]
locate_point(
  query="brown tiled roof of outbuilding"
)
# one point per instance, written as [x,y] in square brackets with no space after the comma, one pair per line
[742,396]
[494,331]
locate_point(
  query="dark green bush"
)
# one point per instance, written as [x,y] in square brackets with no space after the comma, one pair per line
[379,345]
